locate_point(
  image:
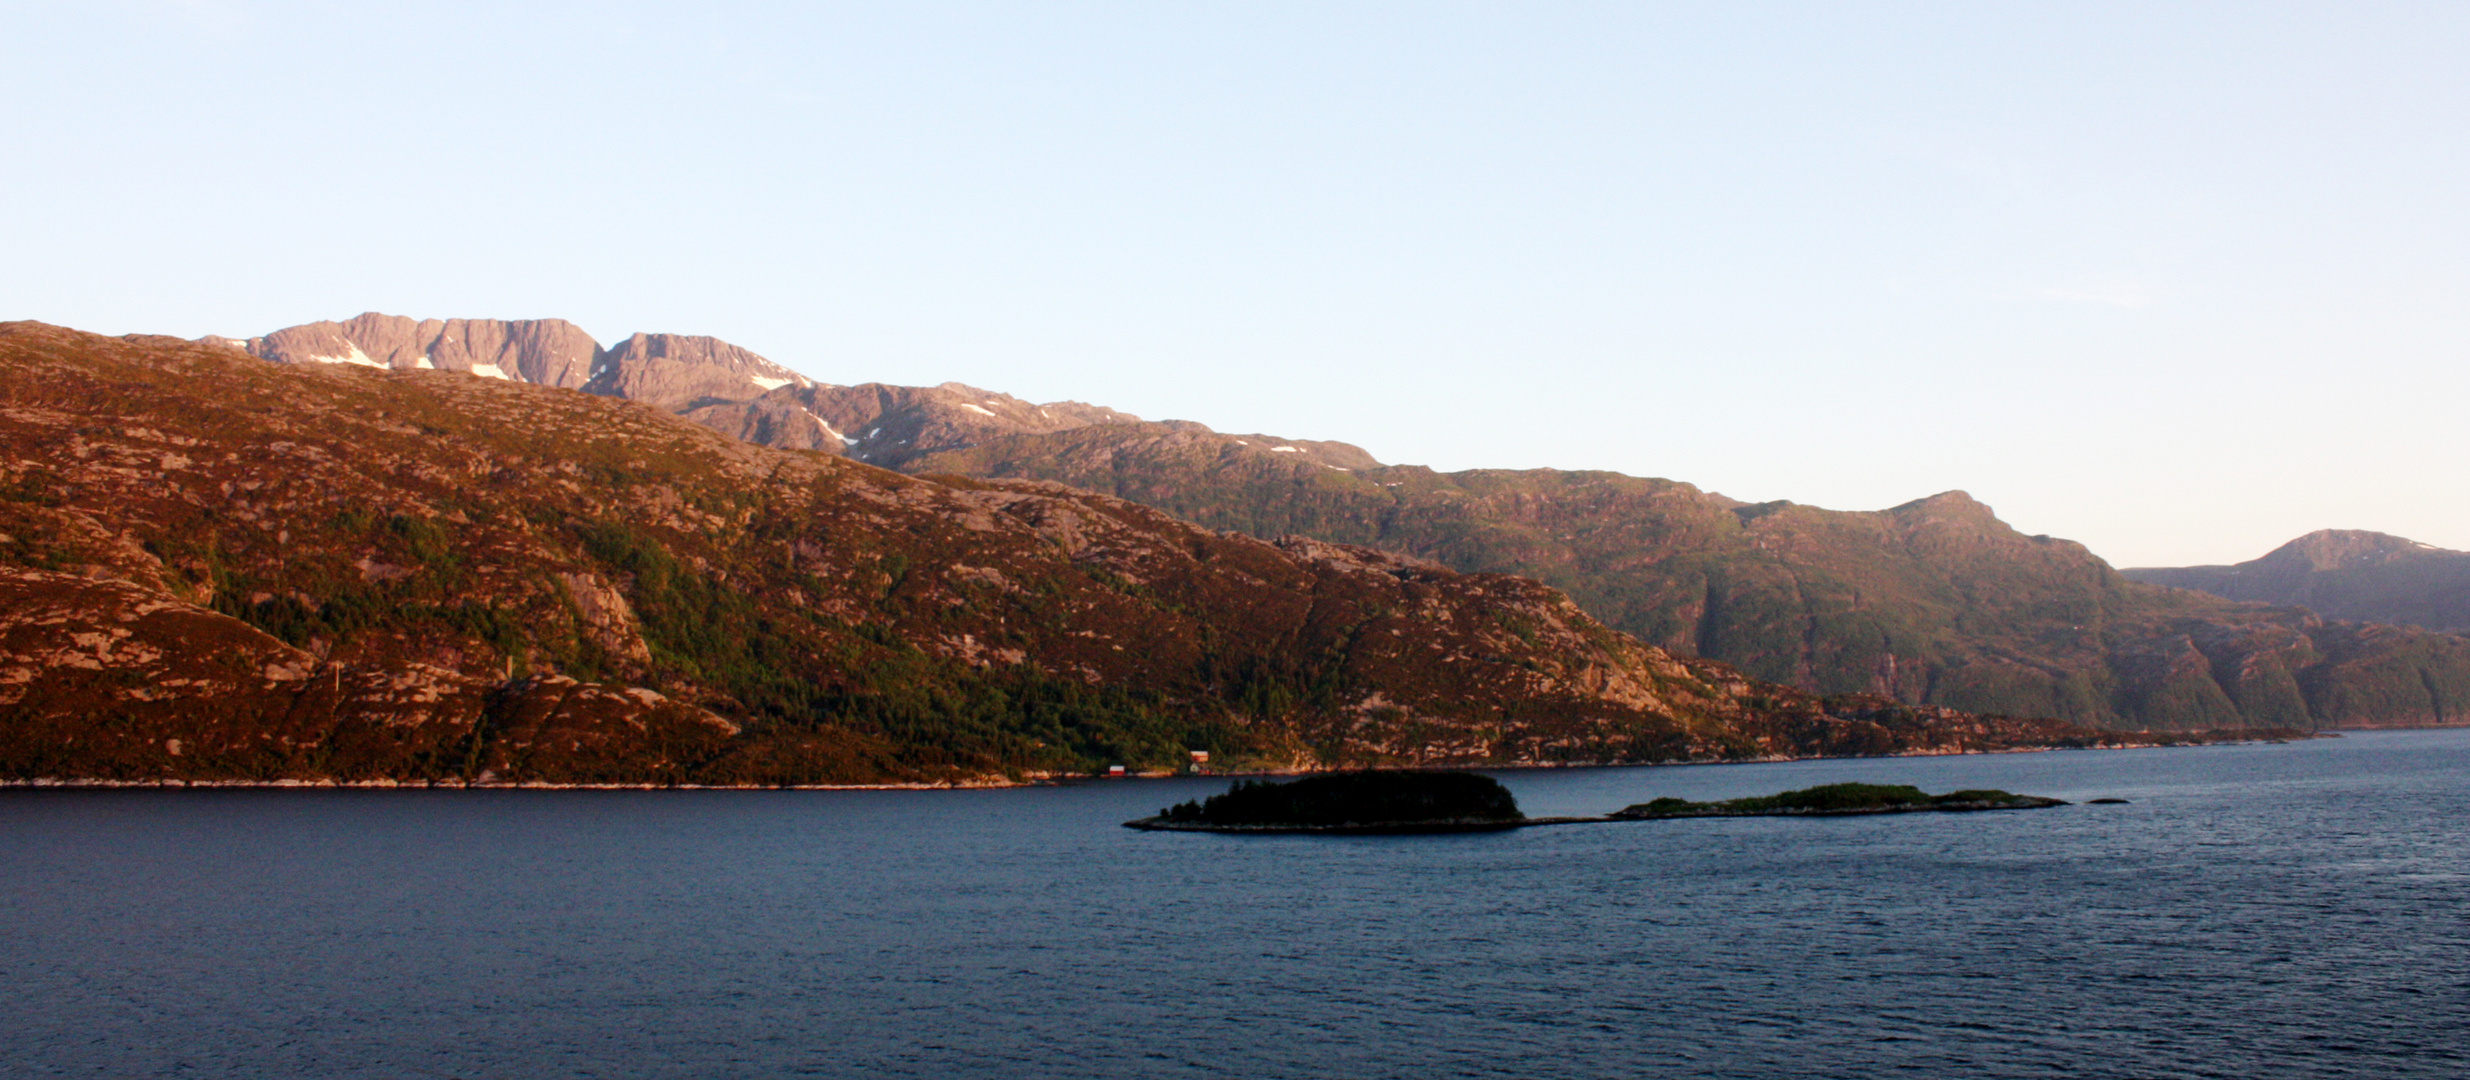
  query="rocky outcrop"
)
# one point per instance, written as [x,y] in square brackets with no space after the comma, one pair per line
[551,352]
[2344,574]
[1134,453]
[674,371]
[667,370]
[887,425]
[712,382]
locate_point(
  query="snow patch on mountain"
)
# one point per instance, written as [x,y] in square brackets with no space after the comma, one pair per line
[354,357]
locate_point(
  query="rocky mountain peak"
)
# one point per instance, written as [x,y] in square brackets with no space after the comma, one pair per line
[1947,504]
[712,382]
[551,352]
[677,371]
[2342,549]
[2343,573]
[669,370]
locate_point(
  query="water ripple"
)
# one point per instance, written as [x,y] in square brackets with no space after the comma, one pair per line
[2290,911]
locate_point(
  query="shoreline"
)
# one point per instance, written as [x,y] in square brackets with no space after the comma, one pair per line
[1076,779]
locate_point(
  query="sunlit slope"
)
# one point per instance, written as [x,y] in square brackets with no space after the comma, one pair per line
[1935,601]
[217,567]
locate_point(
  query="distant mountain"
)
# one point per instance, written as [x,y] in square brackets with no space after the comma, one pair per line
[719,385]
[213,568]
[714,383]
[667,370]
[2343,573]
[887,425]
[1935,601]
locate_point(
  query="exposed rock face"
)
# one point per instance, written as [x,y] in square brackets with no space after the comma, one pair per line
[1932,602]
[2344,573]
[674,372]
[551,352]
[893,426]
[330,571]
[1090,435]
[668,370]
[885,425]
[714,383]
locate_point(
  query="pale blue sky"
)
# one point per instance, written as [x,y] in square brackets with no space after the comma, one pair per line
[2178,281]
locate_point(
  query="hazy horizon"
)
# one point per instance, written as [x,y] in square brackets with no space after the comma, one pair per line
[2180,285]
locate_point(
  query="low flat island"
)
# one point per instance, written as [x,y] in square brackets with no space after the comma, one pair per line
[1839,799]
[1384,801]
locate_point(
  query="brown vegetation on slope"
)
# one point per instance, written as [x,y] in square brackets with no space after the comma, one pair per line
[339,572]
[1935,601]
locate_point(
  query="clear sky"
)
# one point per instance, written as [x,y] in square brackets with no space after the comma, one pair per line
[2179,281]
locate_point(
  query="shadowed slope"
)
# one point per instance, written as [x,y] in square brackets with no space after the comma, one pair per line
[2346,574]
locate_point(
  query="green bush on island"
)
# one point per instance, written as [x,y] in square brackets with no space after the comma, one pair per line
[1840,799]
[1380,797]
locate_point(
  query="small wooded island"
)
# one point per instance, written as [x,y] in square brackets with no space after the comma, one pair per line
[1372,801]
[1382,801]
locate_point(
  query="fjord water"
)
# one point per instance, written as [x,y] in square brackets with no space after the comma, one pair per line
[2272,910]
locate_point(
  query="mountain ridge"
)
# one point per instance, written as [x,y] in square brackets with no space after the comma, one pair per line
[212,568]
[1933,601]
[669,370]
[720,385]
[2344,573]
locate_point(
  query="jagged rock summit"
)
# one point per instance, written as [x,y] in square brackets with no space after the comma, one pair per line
[722,386]
[669,370]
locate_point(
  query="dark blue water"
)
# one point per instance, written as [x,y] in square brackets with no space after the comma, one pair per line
[2266,911]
